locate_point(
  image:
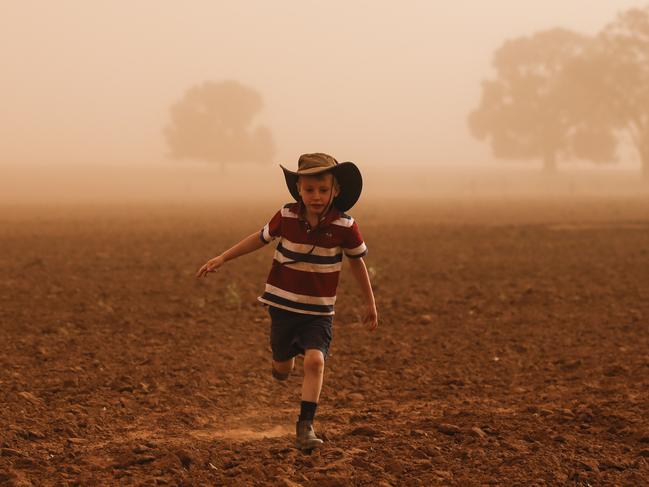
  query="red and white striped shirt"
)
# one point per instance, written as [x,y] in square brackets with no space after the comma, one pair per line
[307,262]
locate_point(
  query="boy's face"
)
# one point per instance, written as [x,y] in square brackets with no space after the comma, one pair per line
[317,192]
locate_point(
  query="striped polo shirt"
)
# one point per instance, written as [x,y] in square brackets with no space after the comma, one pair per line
[307,262]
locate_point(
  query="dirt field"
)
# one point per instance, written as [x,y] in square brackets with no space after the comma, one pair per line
[513,349]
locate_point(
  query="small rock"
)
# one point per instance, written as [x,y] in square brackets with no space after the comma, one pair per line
[448,429]
[356,397]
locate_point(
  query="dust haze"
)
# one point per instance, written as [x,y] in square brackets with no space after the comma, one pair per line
[88,92]
[504,148]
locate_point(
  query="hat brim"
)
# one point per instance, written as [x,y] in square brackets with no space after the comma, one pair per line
[348,176]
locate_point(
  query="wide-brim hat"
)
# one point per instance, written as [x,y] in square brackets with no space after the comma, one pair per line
[346,173]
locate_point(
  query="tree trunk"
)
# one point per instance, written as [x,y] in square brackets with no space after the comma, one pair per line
[550,162]
[643,150]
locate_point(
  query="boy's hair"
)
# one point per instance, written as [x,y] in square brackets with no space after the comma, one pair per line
[321,176]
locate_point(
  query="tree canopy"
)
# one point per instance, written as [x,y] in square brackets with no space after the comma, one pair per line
[559,95]
[527,111]
[213,122]
[624,49]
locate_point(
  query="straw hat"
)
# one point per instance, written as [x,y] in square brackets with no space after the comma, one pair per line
[346,173]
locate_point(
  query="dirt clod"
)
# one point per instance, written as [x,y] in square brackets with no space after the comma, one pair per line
[448,429]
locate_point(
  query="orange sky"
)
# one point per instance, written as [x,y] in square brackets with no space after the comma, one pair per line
[91,82]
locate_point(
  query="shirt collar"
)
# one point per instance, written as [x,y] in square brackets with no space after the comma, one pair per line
[330,216]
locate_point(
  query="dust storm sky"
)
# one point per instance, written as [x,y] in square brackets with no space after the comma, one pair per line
[91,82]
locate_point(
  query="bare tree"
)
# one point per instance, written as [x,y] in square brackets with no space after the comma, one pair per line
[213,122]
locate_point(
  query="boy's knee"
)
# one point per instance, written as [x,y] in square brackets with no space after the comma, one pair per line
[281,370]
[314,361]
[280,375]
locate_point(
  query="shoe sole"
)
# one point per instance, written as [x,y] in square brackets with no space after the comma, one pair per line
[308,447]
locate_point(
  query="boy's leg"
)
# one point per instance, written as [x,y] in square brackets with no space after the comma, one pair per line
[281,370]
[281,342]
[313,372]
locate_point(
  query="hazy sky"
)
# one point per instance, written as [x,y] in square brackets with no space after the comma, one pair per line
[92,82]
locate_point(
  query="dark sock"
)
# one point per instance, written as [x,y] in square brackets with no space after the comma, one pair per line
[307,410]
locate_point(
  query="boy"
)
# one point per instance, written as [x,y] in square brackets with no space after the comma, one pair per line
[301,287]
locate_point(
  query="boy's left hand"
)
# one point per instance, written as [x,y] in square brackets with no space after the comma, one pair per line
[371,318]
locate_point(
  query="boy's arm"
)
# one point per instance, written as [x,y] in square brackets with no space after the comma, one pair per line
[370,317]
[247,245]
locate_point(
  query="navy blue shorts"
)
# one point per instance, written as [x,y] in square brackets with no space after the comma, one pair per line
[293,333]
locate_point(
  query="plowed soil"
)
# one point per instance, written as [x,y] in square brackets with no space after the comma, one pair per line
[513,349]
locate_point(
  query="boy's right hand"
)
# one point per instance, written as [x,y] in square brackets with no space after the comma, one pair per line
[210,266]
[371,317]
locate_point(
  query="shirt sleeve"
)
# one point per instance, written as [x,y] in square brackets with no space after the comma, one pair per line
[353,246]
[272,229]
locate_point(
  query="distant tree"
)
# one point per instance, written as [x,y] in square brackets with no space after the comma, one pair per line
[528,111]
[623,59]
[214,122]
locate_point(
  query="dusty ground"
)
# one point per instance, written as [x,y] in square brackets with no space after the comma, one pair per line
[513,349]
